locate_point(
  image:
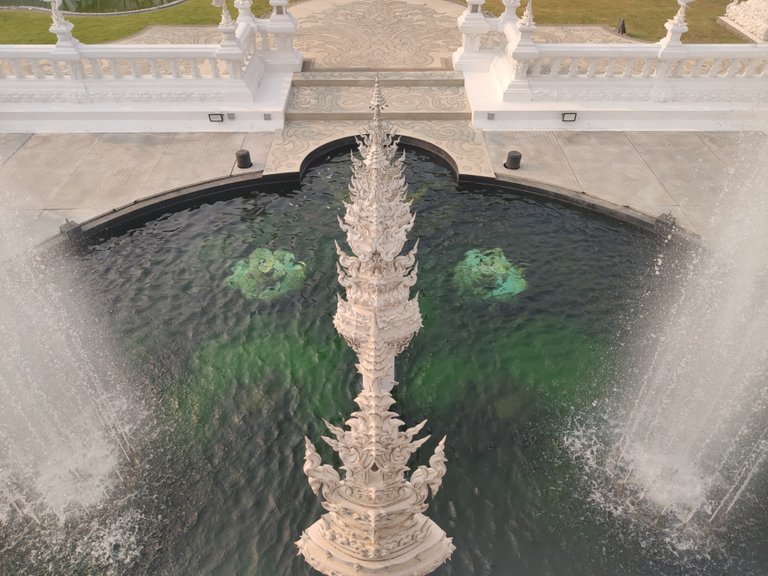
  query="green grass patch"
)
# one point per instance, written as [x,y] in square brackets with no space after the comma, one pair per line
[645,20]
[25,27]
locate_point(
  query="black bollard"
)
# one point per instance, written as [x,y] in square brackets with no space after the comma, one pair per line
[622,27]
[513,160]
[243,159]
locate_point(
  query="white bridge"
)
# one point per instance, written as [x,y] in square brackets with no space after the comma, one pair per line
[512,82]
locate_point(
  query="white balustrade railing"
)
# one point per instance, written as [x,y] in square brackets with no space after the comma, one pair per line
[230,72]
[116,62]
[604,61]
[521,69]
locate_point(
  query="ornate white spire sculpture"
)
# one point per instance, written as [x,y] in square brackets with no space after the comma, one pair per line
[374,524]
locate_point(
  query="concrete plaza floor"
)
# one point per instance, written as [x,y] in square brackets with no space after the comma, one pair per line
[45,178]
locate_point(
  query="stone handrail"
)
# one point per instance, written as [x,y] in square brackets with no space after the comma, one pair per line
[116,61]
[222,84]
[644,61]
[522,69]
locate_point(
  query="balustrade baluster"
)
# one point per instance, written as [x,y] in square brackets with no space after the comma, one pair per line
[175,72]
[114,68]
[592,68]
[629,67]
[18,70]
[647,69]
[734,67]
[610,70]
[37,72]
[714,72]
[749,71]
[56,67]
[214,64]
[557,64]
[573,70]
[135,68]
[195,68]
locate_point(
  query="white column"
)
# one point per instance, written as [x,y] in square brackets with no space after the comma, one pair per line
[282,25]
[671,51]
[67,48]
[473,27]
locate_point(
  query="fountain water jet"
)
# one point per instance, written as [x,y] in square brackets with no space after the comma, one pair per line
[697,430]
[66,416]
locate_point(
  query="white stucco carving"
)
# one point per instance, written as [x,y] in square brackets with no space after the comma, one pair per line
[751,15]
[374,524]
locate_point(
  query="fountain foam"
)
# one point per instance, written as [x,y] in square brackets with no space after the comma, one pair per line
[697,430]
[66,415]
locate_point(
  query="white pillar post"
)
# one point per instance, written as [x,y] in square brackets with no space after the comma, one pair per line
[282,25]
[671,50]
[521,51]
[67,47]
[473,27]
[244,12]
[230,50]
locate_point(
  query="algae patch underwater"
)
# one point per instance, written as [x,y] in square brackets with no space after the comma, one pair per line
[489,275]
[267,275]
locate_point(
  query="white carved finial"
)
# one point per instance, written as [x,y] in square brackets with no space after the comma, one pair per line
[226,17]
[679,19]
[527,19]
[56,15]
[378,103]
[374,523]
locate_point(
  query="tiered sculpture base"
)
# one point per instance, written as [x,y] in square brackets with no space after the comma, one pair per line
[327,557]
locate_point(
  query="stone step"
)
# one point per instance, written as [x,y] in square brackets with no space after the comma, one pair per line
[365,78]
[350,102]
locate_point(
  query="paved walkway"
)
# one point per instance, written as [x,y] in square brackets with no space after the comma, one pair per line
[46,178]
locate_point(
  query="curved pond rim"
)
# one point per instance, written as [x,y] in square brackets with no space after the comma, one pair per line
[123,218]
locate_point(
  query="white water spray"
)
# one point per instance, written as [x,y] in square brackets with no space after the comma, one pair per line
[697,431]
[64,431]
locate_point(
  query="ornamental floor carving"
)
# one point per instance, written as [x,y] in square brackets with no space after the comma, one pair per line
[458,138]
[377,34]
[352,102]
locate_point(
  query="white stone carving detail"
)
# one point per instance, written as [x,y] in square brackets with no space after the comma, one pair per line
[56,15]
[374,524]
[752,15]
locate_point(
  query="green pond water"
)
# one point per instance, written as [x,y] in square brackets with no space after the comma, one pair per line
[92,6]
[236,382]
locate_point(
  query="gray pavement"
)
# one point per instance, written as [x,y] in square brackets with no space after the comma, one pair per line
[45,178]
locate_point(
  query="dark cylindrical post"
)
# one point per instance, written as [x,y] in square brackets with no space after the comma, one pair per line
[243,159]
[513,160]
[622,27]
